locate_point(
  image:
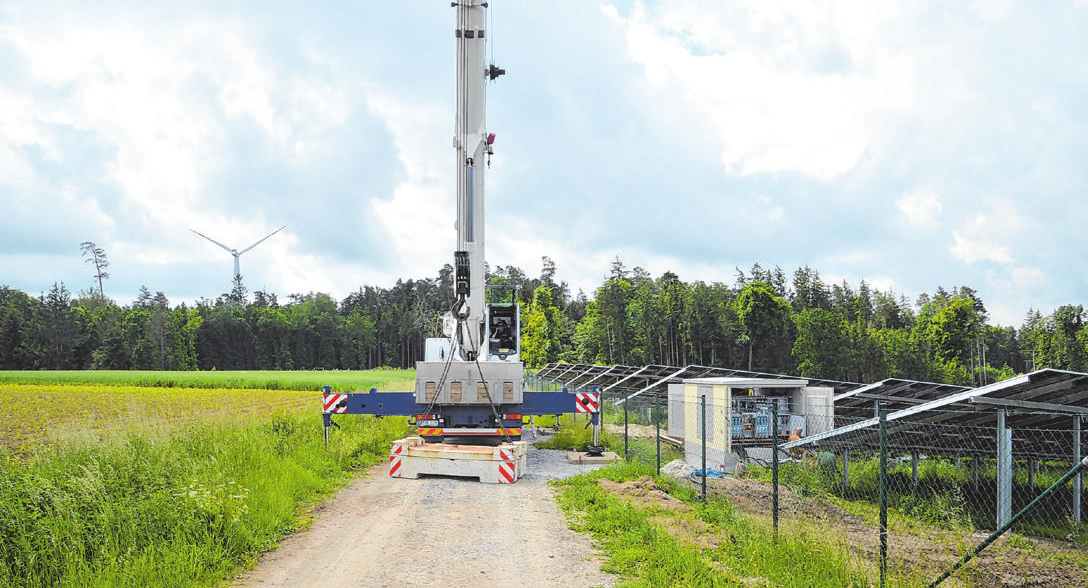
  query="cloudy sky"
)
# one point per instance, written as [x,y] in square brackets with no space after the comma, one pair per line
[909,144]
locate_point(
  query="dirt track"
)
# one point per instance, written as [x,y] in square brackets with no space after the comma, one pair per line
[383,531]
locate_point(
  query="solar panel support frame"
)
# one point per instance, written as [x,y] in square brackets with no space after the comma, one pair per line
[1004,470]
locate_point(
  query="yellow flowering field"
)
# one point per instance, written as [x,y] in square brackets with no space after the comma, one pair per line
[33,414]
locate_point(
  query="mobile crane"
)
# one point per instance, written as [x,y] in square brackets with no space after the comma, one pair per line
[470,398]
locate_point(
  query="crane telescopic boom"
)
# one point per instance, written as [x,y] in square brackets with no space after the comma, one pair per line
[472,145]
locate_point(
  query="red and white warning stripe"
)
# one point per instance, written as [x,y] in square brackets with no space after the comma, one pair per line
[507,471]
[587,402]
[331,401]
[394,461]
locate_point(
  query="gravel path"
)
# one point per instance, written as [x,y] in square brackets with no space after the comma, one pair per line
[439,531]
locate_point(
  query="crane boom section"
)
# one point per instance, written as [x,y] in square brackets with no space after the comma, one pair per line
[472,148]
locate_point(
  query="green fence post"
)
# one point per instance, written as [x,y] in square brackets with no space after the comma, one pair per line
[774,467]
[883,496]
[1077,469]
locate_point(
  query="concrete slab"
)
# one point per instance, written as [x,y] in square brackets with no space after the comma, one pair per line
[580,458]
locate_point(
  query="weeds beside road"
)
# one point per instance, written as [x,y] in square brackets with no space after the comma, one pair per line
[125,486]
[177,510]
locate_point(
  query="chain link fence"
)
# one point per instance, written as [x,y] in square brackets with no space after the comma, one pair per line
[975,498]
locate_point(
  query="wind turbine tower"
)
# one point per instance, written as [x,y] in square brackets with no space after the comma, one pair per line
[235,252]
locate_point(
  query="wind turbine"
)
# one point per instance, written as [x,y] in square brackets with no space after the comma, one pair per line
[235,252]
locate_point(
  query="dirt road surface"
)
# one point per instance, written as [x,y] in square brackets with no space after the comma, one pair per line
[437,531]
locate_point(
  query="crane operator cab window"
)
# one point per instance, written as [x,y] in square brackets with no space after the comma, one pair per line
[502,336]
[503,326]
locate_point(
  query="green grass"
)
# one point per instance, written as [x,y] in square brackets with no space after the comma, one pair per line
[180,508]
[720,547]
[169,478]
[341,381]
[725,548]
[945,497]
[573,435]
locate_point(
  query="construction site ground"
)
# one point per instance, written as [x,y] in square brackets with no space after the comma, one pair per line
[438,531]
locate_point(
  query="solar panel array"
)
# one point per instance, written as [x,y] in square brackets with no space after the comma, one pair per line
[923,417]
[646,382]
[1041,408]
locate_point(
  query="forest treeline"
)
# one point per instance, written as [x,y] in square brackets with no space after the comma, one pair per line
[763,321]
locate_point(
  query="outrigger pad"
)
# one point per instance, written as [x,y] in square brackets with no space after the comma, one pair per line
[410,457]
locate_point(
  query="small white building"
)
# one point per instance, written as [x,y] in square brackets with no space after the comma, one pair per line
[738,411]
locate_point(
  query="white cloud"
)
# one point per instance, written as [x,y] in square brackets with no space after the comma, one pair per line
[156,99]
[1024,277]
[969,250]
[144,120]
[798,89]
[419,217]
[881,283]
[992,10]
[987,236]
[159,93]
[770,210]
[922,207]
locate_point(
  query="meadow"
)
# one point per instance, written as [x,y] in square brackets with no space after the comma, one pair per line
[341,381]
[168,479]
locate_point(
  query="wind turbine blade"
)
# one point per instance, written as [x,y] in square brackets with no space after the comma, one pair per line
[213,241]
[262,240]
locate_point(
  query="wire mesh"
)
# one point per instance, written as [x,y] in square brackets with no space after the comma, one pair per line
[948,484]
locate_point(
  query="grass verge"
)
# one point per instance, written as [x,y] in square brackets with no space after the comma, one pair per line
[696,544]
[184,507]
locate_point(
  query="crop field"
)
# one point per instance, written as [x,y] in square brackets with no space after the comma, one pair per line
[341,381]
[37,414]
[43,407]
[168,478]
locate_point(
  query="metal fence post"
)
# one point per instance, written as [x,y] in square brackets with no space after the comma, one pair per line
[1077,469]
[626,453]
[1078,480]
[883,496]
[1004,470]
[774,466]
[657,423]
[327,418]
[702,405]
[914,468]
[845,471]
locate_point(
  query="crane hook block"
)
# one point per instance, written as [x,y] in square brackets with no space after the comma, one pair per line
[461,265]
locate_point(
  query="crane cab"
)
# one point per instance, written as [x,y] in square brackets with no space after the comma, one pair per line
[503,322]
